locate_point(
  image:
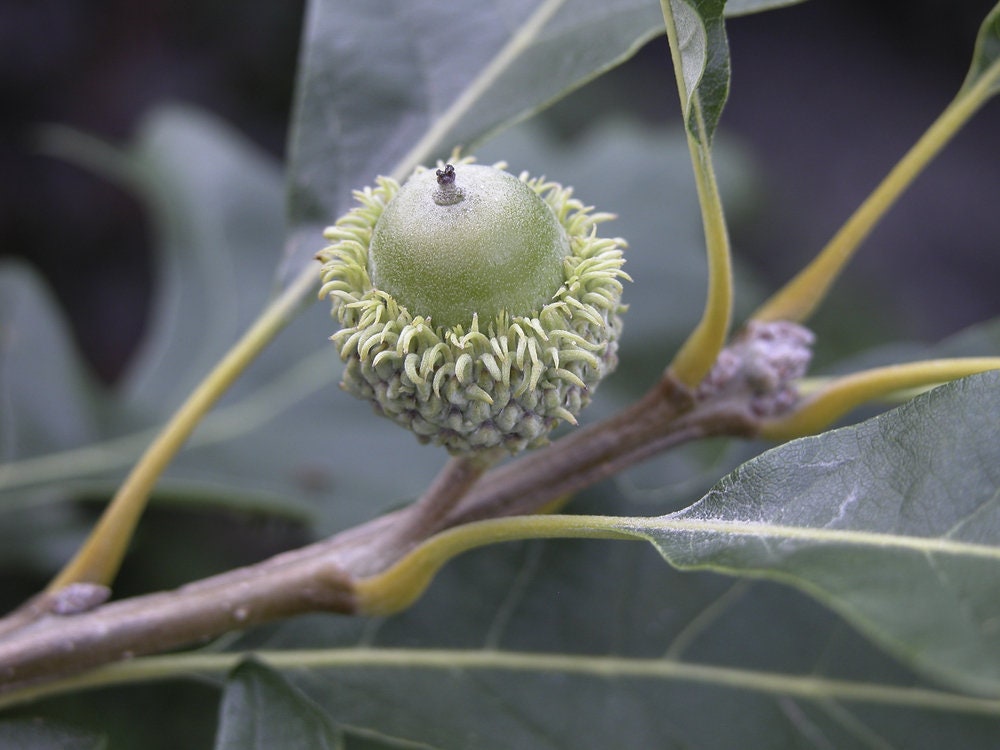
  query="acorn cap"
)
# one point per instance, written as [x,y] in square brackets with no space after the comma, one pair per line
[477,309]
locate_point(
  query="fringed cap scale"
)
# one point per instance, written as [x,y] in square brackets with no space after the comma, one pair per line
[506,375]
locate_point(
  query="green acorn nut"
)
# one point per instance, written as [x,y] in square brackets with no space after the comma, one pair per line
[477,308]
[481,247]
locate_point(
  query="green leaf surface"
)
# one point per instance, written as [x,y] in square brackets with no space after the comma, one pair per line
[596,645]
[367,95]
[582,644]
[39,734]
[261,711]
[986,57]
[385,85]
[704,59]
[894,523]
[47,398]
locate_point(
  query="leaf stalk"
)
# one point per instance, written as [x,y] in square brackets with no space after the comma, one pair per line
[101,555]
[799,298]
[835,399]
[701,349]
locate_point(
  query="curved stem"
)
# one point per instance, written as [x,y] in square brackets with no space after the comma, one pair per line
[800,297]
[428,515]
[306,376]
[701,349]
[100,557]
[399,586]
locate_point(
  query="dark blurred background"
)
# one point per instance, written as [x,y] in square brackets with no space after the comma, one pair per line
[826,95]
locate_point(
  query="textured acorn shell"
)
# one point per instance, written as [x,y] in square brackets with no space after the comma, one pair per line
[504,381]
[483,245]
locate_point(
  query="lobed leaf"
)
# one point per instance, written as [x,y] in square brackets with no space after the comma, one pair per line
[671,660]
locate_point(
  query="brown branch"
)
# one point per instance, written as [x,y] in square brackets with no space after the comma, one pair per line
[578,460]
[62,645]
[319,577]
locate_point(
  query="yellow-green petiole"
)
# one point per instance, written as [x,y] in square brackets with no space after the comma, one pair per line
[830,401]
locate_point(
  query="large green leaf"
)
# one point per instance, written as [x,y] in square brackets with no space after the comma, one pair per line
[376,77]
[261,711]
[894,523]
[386,84]
[596,645]
[499,654]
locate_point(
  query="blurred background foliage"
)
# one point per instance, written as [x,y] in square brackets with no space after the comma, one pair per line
[803,78]
[808,130]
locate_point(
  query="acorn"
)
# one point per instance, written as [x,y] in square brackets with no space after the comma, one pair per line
[477,308]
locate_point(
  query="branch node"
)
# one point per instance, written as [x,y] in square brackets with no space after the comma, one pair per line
[77,598]
[760,366]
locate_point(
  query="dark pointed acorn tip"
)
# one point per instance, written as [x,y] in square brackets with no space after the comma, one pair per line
[446,176]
